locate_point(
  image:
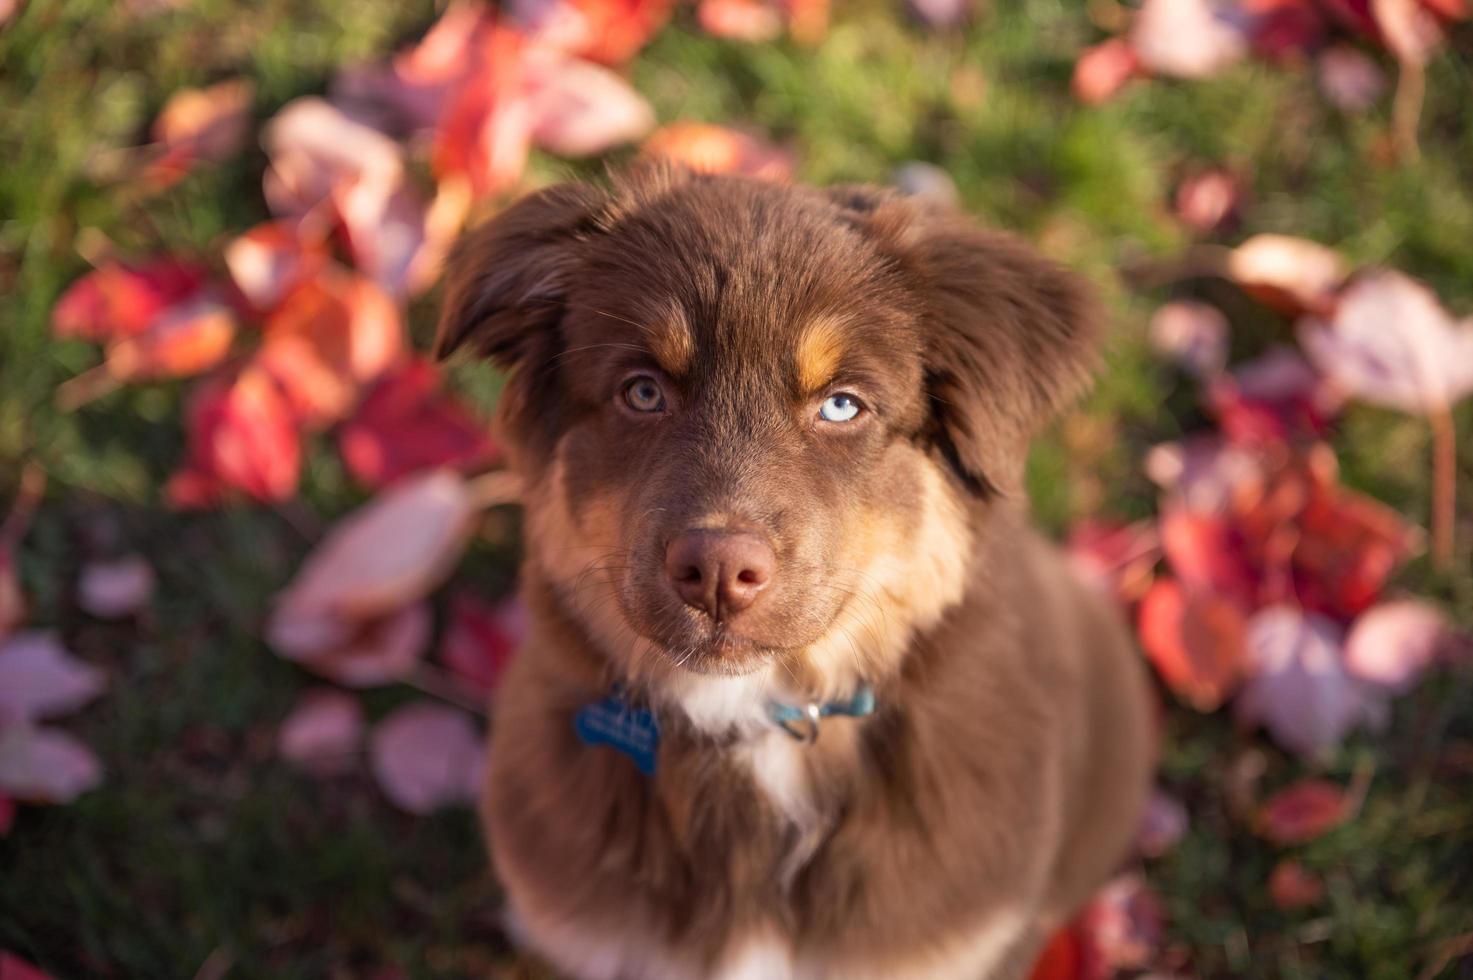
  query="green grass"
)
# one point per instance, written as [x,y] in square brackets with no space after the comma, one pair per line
[202,847]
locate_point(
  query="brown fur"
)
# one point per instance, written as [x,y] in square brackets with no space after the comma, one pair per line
[999,781]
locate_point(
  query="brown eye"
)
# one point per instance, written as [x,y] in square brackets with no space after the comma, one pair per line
[643,394]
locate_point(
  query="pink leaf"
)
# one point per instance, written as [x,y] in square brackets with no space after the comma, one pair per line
[1124,922]
[117,588]
[1208,200]
[752,21]
[482,640]
[581,109]
[1194,335]
[40,679]
[1163,825]
[1203,473]
[1104,70]
[1349,79]
[1298,687]
[1118,560]
[45,765]
[606,31]
[273,258]
[427,756]
[406,425]
[388,553]
[1410,30]
[1390,342]
[1291,274]
[1299,813]
[1186,38]
[371,652]
[940,13]
[323,733]
[1393,643]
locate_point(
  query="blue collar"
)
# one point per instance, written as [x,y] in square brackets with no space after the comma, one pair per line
[635,731]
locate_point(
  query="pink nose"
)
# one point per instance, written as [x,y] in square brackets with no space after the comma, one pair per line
[720,572]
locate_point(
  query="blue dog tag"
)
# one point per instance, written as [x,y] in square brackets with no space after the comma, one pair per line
[614,723]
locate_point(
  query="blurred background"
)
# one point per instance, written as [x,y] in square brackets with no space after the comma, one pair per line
[257,558]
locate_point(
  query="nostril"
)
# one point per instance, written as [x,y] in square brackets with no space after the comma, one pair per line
[748,576]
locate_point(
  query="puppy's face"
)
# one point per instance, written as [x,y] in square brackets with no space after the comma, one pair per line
[748,415]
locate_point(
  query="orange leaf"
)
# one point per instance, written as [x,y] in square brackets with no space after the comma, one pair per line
[187,339]
[716,149]
[1292,886]
[118,299]
[1195,641]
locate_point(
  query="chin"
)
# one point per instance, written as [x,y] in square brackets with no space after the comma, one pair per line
[715,651]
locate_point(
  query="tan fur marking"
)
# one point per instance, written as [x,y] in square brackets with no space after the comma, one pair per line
[671,343]
[817,355]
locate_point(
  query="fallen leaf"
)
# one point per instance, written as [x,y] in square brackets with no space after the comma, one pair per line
[940,13]
[1163,825]
[1350,80]
[7,821]
[1301,812]
[1292,886]
[324,732]
[1298,687]
[368,652]
[1408,28]
[1290,274]
[484,133]
[1271,399]
[481,641]
[752,21]
[1209,554]
[119,299]
[1068,956]
[117,588]
[186,339]
[1193,335]
[268,262]
[426,757]
[209,124]
[717,149]
[579,108]
[406,424]
[1119,560]
[390,552]
[45,765]
[1204,473]
[330,336]
[1195,641]
[12,967]
[606,31]
[1103,70]
[1393,643]
[39,678]
[1124,922]
[1185,38]
[1391,343]
[1208,200]
[242,436]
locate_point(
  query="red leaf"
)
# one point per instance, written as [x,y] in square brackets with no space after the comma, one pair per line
[12,967]
[1208,554]
[1301,812]
[119,300]
[485,131]
[1195,641]
[1124,924]
[1273,398]
[1292,886]
[1104,70]
[1285,29]
[186,339]
[716,149]
[242,436]
[481,641]
[406,425]
[427,756]
[607,31]
[7,821]
[1194,335]
[1068,956]
[328,338]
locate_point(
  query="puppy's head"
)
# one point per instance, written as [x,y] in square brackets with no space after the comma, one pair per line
[758,424]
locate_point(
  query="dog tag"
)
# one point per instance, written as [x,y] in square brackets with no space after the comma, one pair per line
[615,723]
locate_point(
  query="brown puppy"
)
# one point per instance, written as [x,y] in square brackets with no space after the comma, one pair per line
[772,440]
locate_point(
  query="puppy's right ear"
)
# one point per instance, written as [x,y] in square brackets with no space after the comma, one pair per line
[506,286]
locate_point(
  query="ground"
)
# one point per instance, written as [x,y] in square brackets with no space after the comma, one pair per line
[203,854]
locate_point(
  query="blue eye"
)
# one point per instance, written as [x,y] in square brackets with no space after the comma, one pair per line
[839,408]
[643,394]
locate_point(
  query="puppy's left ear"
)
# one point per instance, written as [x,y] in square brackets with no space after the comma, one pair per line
[1011,337]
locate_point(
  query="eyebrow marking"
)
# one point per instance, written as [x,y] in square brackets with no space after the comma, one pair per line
[820,347]
[670,340]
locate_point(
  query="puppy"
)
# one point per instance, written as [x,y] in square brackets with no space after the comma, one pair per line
[803,694]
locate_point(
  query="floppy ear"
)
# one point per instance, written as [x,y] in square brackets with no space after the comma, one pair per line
[506,287]
[1011,337]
